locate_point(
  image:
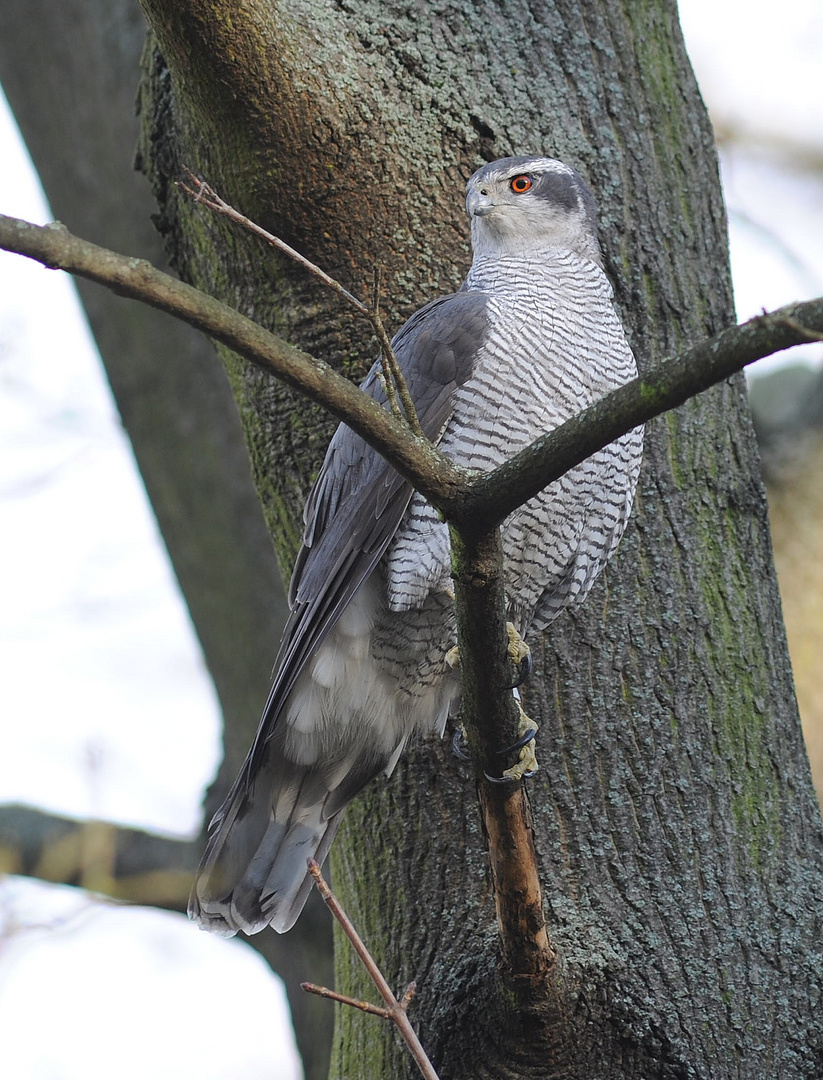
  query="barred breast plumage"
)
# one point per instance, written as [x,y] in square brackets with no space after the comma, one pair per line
[530,340]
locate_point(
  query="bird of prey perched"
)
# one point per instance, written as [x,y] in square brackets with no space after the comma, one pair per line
[529,340]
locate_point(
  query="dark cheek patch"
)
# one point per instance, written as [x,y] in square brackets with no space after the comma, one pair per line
[558,188]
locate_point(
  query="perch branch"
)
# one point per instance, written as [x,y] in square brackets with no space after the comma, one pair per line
[491,720]
[394,380]
[464,498]
[396,1011]
[527,952]
[415,459]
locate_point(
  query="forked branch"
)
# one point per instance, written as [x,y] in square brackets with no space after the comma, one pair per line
[394,1010]
[472,503]
[462,497]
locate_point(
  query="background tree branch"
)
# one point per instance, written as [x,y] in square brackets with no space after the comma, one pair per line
[119,862]
[80,109]
[182,419]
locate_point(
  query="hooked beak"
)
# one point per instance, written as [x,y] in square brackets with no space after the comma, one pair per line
[478,204]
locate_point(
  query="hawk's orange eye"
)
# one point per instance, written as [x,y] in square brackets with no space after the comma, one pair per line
[521,184]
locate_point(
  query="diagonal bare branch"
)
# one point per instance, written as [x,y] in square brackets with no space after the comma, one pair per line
[396,1011]
[394,380]
[415,458]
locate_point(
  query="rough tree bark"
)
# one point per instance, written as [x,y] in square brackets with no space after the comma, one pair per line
[678,834]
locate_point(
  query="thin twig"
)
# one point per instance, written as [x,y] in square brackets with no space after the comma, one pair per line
[356,1003]
[394,376]
[395,1010]
[203,193]
[388,381]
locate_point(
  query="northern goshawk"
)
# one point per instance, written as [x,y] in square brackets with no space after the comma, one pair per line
[529,340]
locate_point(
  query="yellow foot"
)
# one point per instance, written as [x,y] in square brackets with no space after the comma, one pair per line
[527,763]
[518,649]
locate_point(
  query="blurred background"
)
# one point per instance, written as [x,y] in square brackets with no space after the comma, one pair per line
[98,661]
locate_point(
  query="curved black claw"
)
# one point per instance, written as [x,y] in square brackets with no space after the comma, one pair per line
[458,749]
[458,744]
[509,779]
[524,670]
[527,737]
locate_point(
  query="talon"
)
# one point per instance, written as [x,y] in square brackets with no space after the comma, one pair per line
[452,657]
[458,743]
[527,764]
[524,670]
[520,654]
[527,737]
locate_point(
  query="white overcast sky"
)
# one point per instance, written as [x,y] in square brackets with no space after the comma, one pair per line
[98,665]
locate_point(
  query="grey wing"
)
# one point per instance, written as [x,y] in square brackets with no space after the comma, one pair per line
[278,811]
[358,500]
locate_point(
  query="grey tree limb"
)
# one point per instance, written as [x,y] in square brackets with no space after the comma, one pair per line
[119,862]
[487,707]
[469,501]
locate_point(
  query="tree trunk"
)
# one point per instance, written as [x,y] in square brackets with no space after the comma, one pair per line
[677,830]
[77,117]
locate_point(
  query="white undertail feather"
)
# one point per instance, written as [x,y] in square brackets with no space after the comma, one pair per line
[531,339]
[343,711]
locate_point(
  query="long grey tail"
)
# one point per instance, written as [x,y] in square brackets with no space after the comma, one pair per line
[253,873]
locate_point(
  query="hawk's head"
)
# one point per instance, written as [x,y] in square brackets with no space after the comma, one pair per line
[523,204]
